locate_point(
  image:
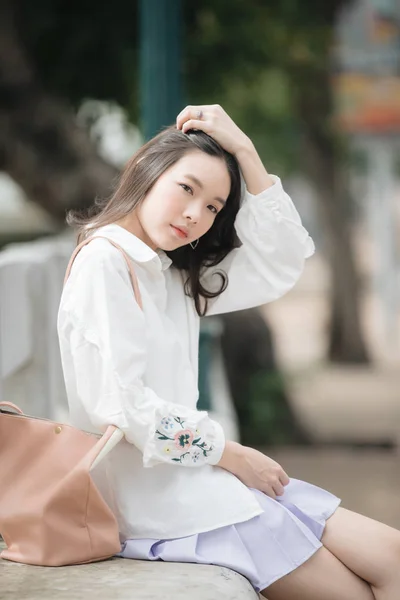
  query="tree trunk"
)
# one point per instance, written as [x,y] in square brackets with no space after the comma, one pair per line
[346,340]
[322,158]
[41,146]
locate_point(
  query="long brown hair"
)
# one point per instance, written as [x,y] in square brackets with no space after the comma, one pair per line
[137,179]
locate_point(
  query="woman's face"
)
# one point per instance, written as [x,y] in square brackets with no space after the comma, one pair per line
[184,201]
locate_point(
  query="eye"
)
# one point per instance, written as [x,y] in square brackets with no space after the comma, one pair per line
[213,209]
[187,188]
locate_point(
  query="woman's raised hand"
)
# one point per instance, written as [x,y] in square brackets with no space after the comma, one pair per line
[254,469]
[213,120]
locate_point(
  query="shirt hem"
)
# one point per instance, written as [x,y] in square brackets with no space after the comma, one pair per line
[159,535]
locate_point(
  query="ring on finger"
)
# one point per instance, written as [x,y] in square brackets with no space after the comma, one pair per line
[199,114]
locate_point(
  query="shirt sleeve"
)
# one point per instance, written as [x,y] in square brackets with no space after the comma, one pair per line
[108,341]
[272,255]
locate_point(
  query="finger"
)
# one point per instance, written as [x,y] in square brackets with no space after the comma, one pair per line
[268,491]
[190,112]
[284,479]
[184,115]
[195,124]
[278,489]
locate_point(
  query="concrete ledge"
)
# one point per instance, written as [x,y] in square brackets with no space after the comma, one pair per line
[123,579]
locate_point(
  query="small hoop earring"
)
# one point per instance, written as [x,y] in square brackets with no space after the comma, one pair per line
[195,244]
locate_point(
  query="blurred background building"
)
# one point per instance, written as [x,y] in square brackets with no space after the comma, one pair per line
[317,88]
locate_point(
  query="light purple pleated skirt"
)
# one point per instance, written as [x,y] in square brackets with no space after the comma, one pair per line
[264,548]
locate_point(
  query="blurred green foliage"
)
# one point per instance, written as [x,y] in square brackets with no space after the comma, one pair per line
[268,420]
[83,49]
[250,56]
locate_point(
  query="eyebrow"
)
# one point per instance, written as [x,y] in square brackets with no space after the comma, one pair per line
[201,186]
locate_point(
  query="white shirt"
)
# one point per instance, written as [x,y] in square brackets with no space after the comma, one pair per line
[138,370]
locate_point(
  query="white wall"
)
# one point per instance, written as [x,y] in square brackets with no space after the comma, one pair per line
[31,278]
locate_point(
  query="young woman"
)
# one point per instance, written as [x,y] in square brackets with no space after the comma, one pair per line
[199,246]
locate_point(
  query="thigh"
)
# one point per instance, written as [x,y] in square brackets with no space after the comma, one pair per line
[322,577]
[367,547]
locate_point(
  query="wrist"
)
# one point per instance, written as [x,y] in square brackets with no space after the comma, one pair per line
[230,455]
[244,148]
[256,177]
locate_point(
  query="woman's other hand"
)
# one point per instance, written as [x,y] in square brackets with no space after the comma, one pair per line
[254,469]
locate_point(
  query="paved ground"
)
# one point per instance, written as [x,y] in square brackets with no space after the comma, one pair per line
[348,404]
[368,481]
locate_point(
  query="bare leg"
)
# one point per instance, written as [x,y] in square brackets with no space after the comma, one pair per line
[322,577]
[368,548]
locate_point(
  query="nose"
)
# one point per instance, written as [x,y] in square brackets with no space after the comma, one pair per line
[192,213]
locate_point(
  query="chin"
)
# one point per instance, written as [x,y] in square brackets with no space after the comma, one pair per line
[163,240]
[170,245]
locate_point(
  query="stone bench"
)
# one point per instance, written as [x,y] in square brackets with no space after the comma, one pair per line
[122,579]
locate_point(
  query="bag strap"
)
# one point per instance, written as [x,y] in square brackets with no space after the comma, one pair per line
[128,261]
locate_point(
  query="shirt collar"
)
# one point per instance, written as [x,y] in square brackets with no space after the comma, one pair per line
[136,249]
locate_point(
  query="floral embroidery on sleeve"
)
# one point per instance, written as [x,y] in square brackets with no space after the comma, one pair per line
[181,442]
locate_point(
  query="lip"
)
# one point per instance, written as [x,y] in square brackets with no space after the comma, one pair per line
[180,232]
